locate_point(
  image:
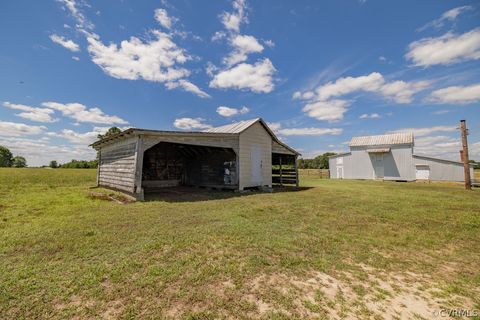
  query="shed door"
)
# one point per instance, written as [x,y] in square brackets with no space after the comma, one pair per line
[422,172]
[339,172]
[256,164]
[378,165]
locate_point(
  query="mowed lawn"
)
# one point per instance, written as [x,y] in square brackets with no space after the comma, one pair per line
[338,249]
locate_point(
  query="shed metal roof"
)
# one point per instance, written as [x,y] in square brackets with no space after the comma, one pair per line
[236,127]
[382,140]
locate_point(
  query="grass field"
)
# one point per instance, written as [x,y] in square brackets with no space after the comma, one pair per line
[336,249]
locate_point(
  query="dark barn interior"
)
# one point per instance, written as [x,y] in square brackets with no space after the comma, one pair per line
[283,169]
[173,164]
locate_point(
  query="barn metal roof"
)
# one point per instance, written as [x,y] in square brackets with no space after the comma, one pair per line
[240,126]
[382,140]
[236,127]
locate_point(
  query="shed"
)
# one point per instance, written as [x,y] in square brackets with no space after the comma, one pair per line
[236,156]
[391,157]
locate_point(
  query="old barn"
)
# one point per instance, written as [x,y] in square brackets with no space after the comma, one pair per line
[241,155]
[392,157]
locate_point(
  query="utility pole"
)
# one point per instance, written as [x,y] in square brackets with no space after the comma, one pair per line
[464,153]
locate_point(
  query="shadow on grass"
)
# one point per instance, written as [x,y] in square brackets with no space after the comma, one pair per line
[192,194]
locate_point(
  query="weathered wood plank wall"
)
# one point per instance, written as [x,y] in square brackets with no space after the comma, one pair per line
[117,165]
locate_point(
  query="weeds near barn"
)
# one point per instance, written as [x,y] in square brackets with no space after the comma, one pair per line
[342,248]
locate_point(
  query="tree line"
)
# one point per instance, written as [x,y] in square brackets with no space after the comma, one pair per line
[319,162]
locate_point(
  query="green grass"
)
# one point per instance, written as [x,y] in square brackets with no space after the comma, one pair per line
[64,255]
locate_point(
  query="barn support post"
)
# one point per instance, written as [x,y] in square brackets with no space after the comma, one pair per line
[297,182]
[139,151]
[237,159]
[99,161]
[281,177]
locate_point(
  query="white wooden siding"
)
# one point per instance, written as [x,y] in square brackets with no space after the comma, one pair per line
[441,170]
[255,138]
[278,148]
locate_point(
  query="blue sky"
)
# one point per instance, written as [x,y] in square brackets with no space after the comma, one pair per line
[319,72]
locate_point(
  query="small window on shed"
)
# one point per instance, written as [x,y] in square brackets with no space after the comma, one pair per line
[340,160]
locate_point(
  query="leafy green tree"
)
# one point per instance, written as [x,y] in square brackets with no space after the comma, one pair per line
[53,164]
[111,131]
[80,164]
[319,162]
[19,162]
[6,157]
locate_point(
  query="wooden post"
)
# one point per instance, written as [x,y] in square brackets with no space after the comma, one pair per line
[139,150]
[98,166]
[281,178]
[466,165]
[296,171]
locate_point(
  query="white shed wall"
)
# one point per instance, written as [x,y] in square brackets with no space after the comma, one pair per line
[255,143]
[441,170]
[359,164]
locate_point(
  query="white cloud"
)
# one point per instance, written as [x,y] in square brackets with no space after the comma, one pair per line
[443,147]
[274,126]
[256,77]
[401,91]
[269,43]
[331,110]
[156,60]
[238,74]
[152,60]
[68,44]
[445,50]
[40,151]
[441,112]
[85,138]
[191,124]
[243,45]
[229,112]
[187,86]
[163,18]
[456,94]
[420,132]
[32,113]
[297,95]
[232,20]
[218,35]
[15,129]
[76,58]
[81,113]
[370,83]
[370,116]
[449,15]
[323,104]
[82,22]
[309,131]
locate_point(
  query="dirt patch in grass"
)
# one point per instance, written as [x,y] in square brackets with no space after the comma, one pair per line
[115,197]
[368,293]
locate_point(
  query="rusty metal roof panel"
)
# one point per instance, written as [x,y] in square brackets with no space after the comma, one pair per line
[382,140]
[236,127]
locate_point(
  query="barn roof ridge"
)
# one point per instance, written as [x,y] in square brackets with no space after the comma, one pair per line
[383,139]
